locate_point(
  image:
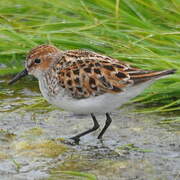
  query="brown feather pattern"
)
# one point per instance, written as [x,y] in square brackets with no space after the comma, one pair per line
[84,73]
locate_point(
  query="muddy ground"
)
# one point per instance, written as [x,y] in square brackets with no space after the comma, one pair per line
[34,141]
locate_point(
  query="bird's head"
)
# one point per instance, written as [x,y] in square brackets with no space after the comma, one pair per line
[38,61]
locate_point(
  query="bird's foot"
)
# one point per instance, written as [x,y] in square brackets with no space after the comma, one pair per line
[75,140]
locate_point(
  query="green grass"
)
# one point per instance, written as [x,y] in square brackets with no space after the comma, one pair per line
[144,33]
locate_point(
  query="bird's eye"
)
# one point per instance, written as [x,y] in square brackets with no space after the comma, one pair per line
[37,61]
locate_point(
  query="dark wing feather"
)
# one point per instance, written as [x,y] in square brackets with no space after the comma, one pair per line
[86,74]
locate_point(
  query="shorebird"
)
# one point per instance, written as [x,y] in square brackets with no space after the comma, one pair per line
[86,82]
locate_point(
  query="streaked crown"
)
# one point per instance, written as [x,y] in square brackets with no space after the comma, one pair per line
[41,51]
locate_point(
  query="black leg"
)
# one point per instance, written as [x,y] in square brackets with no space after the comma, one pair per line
[108,122]
[95,126]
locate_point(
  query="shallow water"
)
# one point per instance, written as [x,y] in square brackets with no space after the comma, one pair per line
[34,136]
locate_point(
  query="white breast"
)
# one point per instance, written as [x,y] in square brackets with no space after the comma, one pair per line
[98,104]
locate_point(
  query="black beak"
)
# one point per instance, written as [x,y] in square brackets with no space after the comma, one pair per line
[18,76]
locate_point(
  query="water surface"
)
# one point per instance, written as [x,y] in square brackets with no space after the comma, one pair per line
[34,136]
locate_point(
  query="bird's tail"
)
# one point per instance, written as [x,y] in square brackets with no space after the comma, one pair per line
[139,76]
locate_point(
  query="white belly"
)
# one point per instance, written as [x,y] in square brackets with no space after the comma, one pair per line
[98,104]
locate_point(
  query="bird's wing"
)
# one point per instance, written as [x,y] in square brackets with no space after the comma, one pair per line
[84,74]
